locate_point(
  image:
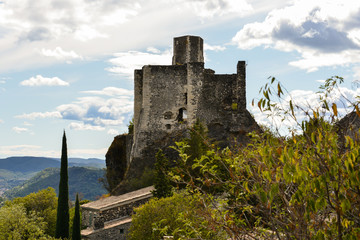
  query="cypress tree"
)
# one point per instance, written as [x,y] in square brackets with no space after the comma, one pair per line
[62,219]
[76,230]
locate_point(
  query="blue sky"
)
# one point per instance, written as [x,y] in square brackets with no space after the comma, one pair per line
[68,64]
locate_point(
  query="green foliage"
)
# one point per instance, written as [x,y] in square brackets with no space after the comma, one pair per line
[145,180]
[42,204]
[162,183]
[131,126]
[303,186]
[171,216]
[17,224]
[198,142]
[62,219]
[76,226]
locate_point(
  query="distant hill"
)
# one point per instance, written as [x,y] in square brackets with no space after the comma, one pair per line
[16,170]
[36,164]
[27,164]
[81,180]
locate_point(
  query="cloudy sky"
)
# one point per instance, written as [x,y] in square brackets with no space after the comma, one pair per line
[68,64]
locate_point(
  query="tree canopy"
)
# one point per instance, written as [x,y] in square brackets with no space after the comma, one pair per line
[305,185]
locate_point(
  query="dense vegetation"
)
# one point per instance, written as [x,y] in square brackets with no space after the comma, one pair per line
[305,185]
[32,216]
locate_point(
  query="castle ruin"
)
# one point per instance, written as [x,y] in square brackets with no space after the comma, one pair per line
[169,99]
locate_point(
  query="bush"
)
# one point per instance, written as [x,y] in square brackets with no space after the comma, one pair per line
[172,216]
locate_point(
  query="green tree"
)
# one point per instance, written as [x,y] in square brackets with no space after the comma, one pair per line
[301,186]
[16,224]
[43,204]
[76,229]
[62,219]
[198,141]
[162,183]
[171,216]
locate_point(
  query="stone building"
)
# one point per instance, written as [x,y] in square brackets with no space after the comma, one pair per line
[169,99]
[110,218]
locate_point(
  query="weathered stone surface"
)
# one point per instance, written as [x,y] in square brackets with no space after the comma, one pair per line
[118,159]
[169,99]
[348,126]
[116,230]
[110,218]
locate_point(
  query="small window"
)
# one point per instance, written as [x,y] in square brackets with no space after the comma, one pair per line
[182,116]
[168,126]
[186,98]
[121,231]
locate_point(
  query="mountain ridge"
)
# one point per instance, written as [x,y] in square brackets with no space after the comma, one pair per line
[27,164]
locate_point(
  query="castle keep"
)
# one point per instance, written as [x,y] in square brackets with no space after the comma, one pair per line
[169,99]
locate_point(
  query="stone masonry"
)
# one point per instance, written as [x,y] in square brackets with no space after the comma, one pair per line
[110,218]
[169,99]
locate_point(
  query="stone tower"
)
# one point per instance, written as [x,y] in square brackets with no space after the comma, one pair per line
[169,99]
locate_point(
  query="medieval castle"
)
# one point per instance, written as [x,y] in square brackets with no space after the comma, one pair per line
[168,100]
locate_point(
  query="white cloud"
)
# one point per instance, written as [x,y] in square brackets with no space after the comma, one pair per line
[112,91]
[36,115]
[86,33]
[64,17]
[89,153]
[82,127]
[1,121]
[20,130]
[44,81]
[306,100]
[2,81]
[212,8]
[97,111]
[312,60]
[26,150]
[38,151]
[92,112]
[214,47]
[325,33]
[124,63]
[153,50]
[356,70]
[60,54]
[94,29]
[27,124]
[113,132]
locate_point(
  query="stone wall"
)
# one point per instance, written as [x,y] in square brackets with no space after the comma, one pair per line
[97,219]
[116,231]
[110,218]
[169,99]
